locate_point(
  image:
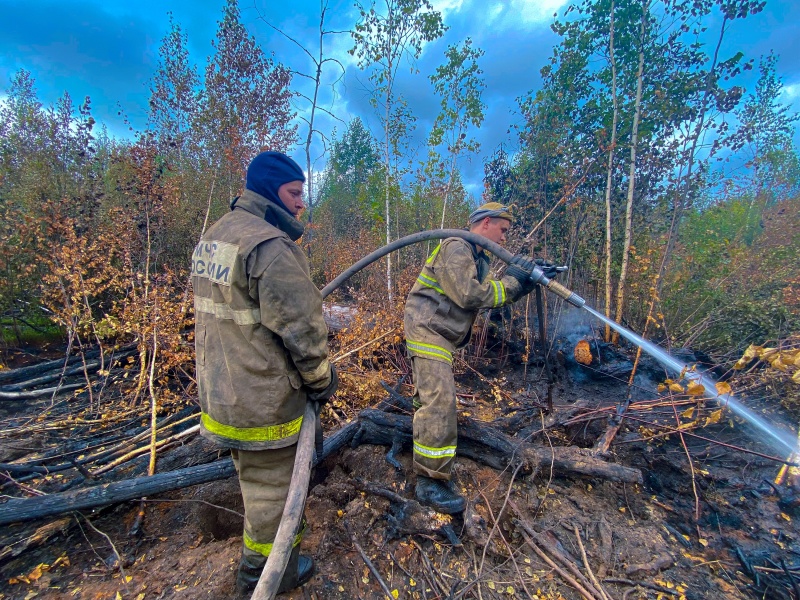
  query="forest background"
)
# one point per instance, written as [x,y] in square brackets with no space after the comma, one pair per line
[642,161]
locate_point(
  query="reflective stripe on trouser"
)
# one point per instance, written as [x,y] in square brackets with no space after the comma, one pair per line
[264,477]
[272,433]
[435,424]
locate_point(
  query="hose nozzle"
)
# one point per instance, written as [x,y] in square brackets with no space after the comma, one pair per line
[559,290]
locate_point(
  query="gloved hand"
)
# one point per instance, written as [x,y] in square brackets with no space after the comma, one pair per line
[548,268]
[322,396]
[520,269]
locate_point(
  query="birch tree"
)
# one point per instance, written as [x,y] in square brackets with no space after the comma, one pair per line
[610,169]
[632,173]
[382,39]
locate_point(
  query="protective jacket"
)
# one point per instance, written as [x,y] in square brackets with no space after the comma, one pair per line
[451,289]
[259,335]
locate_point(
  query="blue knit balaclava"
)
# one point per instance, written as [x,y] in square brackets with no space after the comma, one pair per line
[270,170]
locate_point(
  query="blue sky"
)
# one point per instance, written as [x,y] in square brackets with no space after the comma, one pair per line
[108,50]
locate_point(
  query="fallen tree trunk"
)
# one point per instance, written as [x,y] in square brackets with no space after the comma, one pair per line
[33,394]
[485,444]
[14,375]
[478,441]
[17,510]
[9,375]
[25,509]
[89,367]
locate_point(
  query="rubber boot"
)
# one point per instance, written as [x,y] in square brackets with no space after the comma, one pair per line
[298,571]
[440,495]
[250,568]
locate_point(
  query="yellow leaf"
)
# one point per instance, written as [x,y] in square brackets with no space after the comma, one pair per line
[118,596]
[703,542]
[714,417]
[688,413]
[491,585]
[749,354]
[37,572]
[786,517]
[695,389]
[661,388]
[412,582]
[777,363]
[767,353]
[395,594]
[694,558]
[128,578]
[723,388]
[796,377]
[510,591]
[676,387]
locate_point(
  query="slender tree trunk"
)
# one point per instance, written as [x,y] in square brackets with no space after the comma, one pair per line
[388,181]
[309,137]
[449,181]
[632,174]
[607,334]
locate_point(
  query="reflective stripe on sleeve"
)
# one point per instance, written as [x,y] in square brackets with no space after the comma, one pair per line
[428,452]
[246,316]
[433,254]
[429,350]
[429,282]
[271,433]
[499,293]
[265,549]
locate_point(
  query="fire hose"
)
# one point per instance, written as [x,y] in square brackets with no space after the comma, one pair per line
[301,475]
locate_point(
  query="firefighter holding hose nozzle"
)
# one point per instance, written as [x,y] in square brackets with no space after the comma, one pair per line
[440,311]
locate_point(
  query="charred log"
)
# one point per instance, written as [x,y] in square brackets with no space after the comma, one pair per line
[478,441]
[485,444]
[26,509]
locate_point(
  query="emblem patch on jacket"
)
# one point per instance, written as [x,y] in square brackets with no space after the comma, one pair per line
[214,261]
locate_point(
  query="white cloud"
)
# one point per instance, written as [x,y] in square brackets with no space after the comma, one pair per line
[503,14]
[792,92]
[447,6]
[535,11]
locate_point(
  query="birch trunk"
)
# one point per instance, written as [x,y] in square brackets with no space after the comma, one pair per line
[607,334]
[632,175]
